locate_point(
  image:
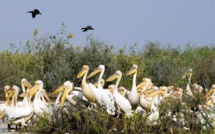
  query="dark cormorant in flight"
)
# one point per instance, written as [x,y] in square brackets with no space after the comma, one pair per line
[34,13]
[87,28]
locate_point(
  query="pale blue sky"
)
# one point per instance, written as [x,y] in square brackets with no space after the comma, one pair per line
[116,22]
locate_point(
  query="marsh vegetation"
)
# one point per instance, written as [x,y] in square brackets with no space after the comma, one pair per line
[54,59]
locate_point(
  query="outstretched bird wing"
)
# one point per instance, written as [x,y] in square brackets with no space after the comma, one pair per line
[36,11]
[33,15]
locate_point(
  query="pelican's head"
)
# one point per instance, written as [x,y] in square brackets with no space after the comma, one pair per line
[121,88]
[132,70]
[38,82]
[111,88]
[147,92]
[58,90]
[36,87]
[170,87]
[16,88]
[102,83]
[7,90]
[159,92]
[66,86]
[188,74]
[179,89]
[212,90]
[45,95]
[116,75]
[144,82]
[26,83]
[140,85]
[163,88]
[97,70]
[84,70]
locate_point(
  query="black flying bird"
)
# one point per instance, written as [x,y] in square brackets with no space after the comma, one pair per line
[34,13]
[87,28]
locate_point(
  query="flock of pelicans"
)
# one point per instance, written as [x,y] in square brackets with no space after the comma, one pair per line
[143,98]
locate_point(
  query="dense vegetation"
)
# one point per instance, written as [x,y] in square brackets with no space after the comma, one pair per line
[54,59]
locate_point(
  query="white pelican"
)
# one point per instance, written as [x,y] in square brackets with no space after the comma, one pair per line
[154,114]
[103,96]
[197,87]
[210,92]
[84,85]
[210,97]
[25,83]
[41,109]
[159,94]
[18,115]
[188,75]
[24,102]
[142,86]
[57,101]
[75,97]
[146,103]
[133,96]
[6,103]
[120,100]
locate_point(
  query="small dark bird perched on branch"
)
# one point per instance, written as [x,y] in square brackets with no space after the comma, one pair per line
[34,13]
[87,28]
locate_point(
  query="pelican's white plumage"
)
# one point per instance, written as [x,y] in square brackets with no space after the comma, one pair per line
[120,100]
[18,115]
[41,109]
[6,103]
[24,102]
[75,97]
[103,96]
[84,85]
[133,96]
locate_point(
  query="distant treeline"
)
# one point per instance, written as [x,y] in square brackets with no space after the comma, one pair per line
[54,60]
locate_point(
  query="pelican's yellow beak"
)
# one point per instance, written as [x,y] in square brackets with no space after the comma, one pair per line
[132,70]
[171,87]
[81,73]
[139,86]
[34,89]
[45,95]
[187,74]
[64,95]
[209,92]
[112,78]
[121,92]
[155,93]
[10,94]
[147,92]
[96,84]
[27,84]
[97,70]
[58,90]
[23,95]
[209,102]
